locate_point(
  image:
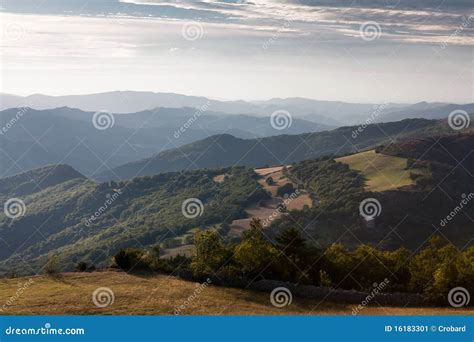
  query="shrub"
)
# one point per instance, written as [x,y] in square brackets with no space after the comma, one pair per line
[286,189]
[52,265]
[130,259]
[81,266]
[269,181]
[325,280]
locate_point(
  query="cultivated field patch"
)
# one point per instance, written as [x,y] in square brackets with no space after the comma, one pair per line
[269,208]
[382,172]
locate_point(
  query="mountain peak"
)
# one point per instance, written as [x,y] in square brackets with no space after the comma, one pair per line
[38,179]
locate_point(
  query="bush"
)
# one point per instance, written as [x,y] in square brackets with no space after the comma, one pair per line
[286,189]
[81,266]
[84,267]
[52,265]
[130,259]
[269,181]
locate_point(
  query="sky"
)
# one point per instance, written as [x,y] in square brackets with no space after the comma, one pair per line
[402,51]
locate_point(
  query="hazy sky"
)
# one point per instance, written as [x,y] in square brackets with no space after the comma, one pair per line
[360,51]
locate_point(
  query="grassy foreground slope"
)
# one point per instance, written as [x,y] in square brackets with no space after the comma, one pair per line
[162,295]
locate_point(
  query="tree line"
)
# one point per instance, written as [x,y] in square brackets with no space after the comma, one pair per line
[432,271]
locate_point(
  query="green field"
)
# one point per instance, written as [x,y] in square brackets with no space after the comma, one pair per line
[383,172]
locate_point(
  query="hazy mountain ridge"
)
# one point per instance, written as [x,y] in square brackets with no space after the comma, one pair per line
[32,138]
[37,180]
[330,113]
[226,150]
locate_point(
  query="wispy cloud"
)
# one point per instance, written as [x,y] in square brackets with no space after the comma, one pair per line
[417,21]
[247,49]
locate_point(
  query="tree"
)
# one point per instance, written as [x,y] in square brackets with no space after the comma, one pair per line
[211,254]
[325,280]
[340,263]
[52,265]
[269,181]
[155,251]
[81,266]
[255,254]
[424,265]
[130,259]
[290,243]
[286,189]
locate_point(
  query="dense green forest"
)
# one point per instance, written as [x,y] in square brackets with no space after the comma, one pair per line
[83,220]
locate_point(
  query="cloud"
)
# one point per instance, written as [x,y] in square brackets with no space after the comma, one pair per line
[414,21]
[245,49]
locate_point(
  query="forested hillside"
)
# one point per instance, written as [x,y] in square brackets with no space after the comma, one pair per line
[82,220]
[226,150]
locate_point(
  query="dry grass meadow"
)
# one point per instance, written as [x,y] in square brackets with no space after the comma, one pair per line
[71,294]
[383,172]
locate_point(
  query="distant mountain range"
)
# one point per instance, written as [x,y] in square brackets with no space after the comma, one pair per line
[32,138]
[226,150]
[330,113]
